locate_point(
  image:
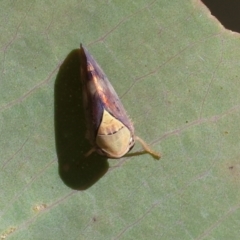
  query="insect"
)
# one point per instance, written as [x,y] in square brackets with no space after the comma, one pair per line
[109,130]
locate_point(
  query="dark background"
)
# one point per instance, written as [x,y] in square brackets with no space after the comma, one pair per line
[226,11]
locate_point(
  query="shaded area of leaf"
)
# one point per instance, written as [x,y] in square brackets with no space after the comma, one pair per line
[77,171]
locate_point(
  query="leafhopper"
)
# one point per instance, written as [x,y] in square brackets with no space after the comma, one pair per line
[109,129]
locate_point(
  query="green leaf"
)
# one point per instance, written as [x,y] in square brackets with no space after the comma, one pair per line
[176,70]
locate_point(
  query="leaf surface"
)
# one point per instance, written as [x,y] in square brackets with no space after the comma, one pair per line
[176,70]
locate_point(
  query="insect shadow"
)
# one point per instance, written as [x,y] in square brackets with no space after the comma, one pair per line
[76,171]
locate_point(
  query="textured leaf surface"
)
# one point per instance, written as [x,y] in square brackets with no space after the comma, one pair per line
[177,73]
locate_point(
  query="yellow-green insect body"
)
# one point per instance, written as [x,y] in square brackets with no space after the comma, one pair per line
[109,129]
[114,139]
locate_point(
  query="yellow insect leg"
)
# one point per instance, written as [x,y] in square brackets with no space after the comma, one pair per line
[90,152]
[145,146]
